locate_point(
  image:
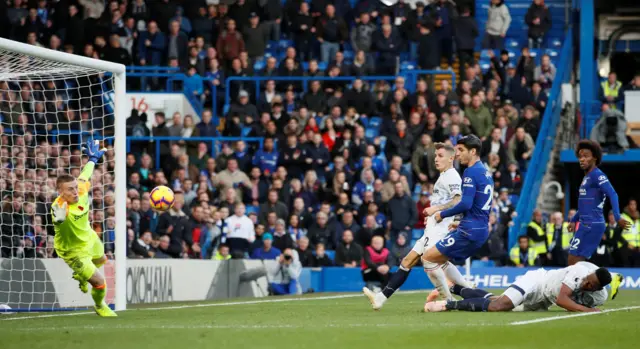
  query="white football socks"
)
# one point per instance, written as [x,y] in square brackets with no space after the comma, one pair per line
[453,274]
[439,281]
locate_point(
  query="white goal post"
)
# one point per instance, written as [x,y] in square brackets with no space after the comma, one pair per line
[33,78]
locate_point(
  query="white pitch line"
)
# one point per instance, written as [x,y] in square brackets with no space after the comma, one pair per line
[561,317]
[202,305]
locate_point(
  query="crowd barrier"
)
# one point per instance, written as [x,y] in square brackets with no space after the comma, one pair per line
[46,283]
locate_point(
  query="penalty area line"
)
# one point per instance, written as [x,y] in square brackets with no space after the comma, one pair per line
[562,317]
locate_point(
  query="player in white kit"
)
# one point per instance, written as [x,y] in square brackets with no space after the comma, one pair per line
[446,193]
[579,288]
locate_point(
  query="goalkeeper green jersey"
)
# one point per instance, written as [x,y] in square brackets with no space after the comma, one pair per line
[75,232]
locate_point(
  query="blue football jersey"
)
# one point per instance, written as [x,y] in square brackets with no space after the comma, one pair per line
[475,205]
[594,190]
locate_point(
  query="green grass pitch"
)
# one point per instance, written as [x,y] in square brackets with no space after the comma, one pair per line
[322,321]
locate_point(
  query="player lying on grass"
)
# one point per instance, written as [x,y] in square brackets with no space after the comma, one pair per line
[446,194]
[594,190]
[579,288]
[75,242]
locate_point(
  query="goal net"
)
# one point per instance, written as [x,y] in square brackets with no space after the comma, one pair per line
[51,104]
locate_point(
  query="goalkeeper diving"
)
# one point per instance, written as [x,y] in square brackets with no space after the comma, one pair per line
[75,242]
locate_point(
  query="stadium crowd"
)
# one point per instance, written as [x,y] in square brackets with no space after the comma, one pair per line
[322,183]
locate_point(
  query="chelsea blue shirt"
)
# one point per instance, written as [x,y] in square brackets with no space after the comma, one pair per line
[475,205]
[594,190]
[267,161]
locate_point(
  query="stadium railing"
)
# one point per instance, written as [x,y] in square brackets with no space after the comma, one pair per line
[543,145]
[214,142]
[304,80]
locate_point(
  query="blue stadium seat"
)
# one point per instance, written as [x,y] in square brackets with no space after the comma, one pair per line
[375,122]
[258,65]
[364,122]
[348,55]
[245,131]
[484,65]
[408,65]
[554,43]
[484,54]
[252,209]
[331,254]
[322,66]
[305,66]
[512,44]
[416,233]
[551,52]
[371,133]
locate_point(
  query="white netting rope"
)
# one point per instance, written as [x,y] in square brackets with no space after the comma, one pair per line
[48,110]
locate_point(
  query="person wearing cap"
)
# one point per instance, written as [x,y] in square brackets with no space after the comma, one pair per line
[256,37]
[243,107]
[281,239]
[267,251]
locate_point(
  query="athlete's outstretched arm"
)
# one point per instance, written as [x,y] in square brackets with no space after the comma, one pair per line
[94,152]
[87,171]
[564,301]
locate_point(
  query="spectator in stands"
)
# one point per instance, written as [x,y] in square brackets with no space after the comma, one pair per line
[232,177]
[400,143]
[388,45]
[480,117]
[348,253]
[317,156]
[303,30]
[545,72]
[466,31]
[332,31]
[375,268]
[498,22]
[512,178]
[362,35]
[304,253]
[151,45]
[494,145]
[273,205]
[281,238]
[523,255]
[241,230]
[321,259]
[401,247]
[267,251]
[222,253]
[320,231]
[559,238]
[177,43]
[347,223]
[255,37]
[230,43]
[402,211]
[444,13]
[538,18]
[521,147]
[175,224]
[610,130]
[611,91]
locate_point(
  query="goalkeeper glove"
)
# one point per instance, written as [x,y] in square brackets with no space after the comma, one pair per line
[59,212]
[94,151]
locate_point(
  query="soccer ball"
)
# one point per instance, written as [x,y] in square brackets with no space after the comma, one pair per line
[161,198]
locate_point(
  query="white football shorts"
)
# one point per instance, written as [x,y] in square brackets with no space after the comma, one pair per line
[433,233]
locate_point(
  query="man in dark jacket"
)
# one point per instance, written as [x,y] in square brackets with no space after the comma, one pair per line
[362,35]
[388,44]
[347,223]
[151,45]
[317,156]
[444,13]
[348,253]
[256,36]
[332,31]
[203,25]
[416,19]
[292,157]
[360,98]
[538,18]
[315,100]
[466,31]
[273,205]
[303,29]
[428,49]
[400,143]
[177,44]
[320,231]
[402,211]
[272,12]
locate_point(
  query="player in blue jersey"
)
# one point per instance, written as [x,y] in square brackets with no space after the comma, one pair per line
[477,193]
[594,190]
